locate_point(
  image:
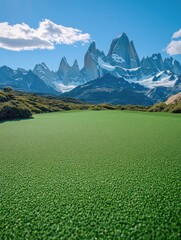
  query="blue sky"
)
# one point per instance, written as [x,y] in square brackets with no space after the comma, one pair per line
[149,23]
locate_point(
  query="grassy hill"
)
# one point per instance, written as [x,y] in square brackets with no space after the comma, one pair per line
[172,104]
[18,105]
[14,105]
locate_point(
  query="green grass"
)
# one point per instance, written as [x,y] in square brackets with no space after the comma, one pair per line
[91,175]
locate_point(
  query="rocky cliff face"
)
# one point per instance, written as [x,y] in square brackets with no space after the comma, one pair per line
[44,73]
[174,99]
[152,65]
[32,83]
[122,60]
[23,80]
[91,69]
[75,68]
[122,53]
[172,65]
[63,71]
[68,74]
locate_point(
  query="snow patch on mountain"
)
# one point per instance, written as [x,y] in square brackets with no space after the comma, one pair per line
[164,81]
[64,88]
[117,58]
[130,69]
[155,57]
[105,65]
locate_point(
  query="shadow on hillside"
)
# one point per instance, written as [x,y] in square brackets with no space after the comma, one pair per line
[16,120]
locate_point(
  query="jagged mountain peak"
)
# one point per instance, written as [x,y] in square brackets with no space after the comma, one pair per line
[64,66]
[75,63]
[44,65]
[6,68]
[22,70]
[44,73]
[92,48]
[118,40]
[32,83]
[172,65]
[75,66]
[121,61]
[152,64]
[156,55]
[92,45]
[7,71]
[64,60]
[41,66]
[31,73]
[122,52]
[91,59]
[94,51]
[31,76]
[122,36]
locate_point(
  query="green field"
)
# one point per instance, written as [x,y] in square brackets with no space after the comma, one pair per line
[91,175]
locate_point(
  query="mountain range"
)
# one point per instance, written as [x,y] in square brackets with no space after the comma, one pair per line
[118,77]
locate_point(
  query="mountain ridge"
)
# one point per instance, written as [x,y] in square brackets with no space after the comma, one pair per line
[122,61]
[110,89]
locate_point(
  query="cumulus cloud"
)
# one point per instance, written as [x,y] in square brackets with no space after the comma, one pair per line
[174,47]
[20,37]
[177,34]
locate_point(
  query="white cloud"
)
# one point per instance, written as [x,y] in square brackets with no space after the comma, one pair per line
[177,34]
[20,37]
[174,47]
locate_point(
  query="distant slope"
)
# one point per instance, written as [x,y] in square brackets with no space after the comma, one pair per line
[32,83]
[172,104]
[25,81]
[110,89]
[174,99]
[16,105]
